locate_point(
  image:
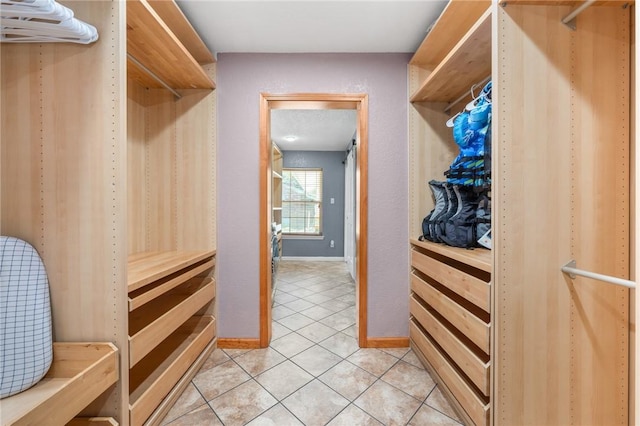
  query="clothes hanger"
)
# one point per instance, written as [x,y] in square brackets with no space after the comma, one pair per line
[35,21]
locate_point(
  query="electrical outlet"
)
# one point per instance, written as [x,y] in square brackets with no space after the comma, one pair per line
[332,201]
[332,244]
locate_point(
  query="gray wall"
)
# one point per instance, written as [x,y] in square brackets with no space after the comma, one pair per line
[332,214]
[241,77]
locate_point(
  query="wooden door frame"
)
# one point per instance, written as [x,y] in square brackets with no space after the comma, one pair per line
[359,102]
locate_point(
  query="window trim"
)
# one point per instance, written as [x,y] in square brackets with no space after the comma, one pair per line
[305,235]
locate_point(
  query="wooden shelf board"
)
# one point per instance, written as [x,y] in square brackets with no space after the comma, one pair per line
[153,378]
[479,258]
[147,267]
[152,323]
[80,372]
[152,42]
[171,15]
[468,63]
[152,291]
[454,22]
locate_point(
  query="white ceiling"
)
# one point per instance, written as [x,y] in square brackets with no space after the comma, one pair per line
[313,130]
[308,26]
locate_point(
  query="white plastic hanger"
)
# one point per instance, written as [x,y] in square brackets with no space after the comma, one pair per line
[38,21]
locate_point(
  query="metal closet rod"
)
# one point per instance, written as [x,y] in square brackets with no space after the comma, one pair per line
[454,103]
[577,11]
[153,75]
[571,270]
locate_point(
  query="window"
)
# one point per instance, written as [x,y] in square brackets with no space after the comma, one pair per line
[302,201]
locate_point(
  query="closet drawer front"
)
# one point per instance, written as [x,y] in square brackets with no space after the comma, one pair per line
[475,329]
[470,287]
[476,368]
[157,320]
[153,378]
[476,407]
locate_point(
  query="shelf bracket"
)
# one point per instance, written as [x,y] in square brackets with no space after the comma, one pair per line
[570,19]
[571,270]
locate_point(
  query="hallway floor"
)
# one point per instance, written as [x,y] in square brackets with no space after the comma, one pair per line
[313,373]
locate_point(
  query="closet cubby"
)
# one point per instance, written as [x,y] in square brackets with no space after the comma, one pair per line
[111,177]
[509,337]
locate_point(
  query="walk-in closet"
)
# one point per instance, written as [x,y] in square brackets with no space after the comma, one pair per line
[108,170]
[512,338]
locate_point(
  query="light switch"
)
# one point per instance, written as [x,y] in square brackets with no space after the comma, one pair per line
[333,200]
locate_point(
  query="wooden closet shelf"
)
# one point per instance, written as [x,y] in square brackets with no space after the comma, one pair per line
[152,323]
[454,22]
[171,15]
[156,289]
[479,258]
[147,267]
[468,63]
[152,42]
[80,372]
[151,380]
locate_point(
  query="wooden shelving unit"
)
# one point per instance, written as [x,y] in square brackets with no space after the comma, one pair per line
[136,177]
[80,372]
[466,64]
[487,322]
[149,267]
[152,43]
[160,373]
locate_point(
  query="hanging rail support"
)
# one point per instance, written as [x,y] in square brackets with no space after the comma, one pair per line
[153,75]
[571,270]
[570,19]
[454,103]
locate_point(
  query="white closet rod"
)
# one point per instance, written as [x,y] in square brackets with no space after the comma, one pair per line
[454,103]
[153,75]
[569,19]
[571,270]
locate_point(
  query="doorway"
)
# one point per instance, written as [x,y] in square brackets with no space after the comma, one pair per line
[358,102]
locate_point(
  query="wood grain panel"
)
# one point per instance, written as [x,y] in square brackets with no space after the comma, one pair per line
[600,213]
[466,64]
[557,114]
[477,258]
[471,326]
[151,42]
[64,175]
[454,22]
[161,169]
[137,179]
[195,170]
[477,409]
[156,375]
[471,288]
[476,368]
[173,17]
[532,300]
[80,372]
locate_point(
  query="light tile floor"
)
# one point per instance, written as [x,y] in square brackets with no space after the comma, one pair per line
[313,373]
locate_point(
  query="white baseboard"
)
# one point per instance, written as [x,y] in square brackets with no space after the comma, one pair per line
[314,259]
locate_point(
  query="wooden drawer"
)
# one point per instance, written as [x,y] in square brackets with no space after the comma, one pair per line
[470,287]
[474,328]
[475,406]
[153,322]
[152,379]
[473,365]
[151,291]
